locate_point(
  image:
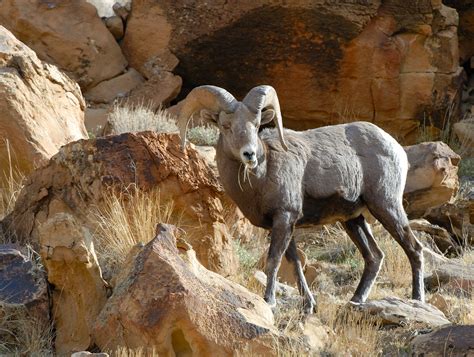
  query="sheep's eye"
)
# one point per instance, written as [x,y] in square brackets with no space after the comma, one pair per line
[226,126]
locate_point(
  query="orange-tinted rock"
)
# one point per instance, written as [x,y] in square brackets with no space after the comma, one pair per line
[465,9]
[158,91]
[78,176]
[78,292]
[67,33]
[394,64]
[432,177]
[167,300]
[117,87]
[41,109]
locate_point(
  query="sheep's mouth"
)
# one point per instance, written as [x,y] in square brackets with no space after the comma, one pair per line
[251,164]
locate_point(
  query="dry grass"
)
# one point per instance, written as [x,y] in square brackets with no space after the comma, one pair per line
[355,333]
[22,334]
[11,183]
[140,117]
[126,219]
[203,135]
[330,243]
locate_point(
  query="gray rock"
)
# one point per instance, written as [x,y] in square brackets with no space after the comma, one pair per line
[22,283]
[396,311]
[454,341]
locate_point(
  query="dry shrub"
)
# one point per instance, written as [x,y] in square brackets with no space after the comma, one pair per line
[126,219]
[11,183]
[355,333]
[127,117]
[330,243]
[22,334]
[203,135]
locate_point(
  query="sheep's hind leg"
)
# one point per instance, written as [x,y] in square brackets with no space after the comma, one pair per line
[360,233]
[282,230]
[395,221]
[291,255]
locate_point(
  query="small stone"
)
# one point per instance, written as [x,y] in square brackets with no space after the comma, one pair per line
[115,26]
[107,91]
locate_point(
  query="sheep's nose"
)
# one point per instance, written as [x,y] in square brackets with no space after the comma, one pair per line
[249,155]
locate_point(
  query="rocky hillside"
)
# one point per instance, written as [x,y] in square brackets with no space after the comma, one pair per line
[115,241]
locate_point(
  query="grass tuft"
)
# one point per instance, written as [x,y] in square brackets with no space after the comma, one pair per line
[126,219]
[140,117]
[11,183]
[203,135]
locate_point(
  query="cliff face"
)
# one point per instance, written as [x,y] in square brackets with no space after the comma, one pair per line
[394,63]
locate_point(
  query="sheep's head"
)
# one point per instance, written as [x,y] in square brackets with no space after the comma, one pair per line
[238,122]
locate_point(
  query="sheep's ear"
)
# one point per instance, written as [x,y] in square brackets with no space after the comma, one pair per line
[267,116]
[208,115]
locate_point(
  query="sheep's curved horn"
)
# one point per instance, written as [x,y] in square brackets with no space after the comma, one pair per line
[262,97]
[204,97]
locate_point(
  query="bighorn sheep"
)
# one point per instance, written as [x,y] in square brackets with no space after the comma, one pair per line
[280,178]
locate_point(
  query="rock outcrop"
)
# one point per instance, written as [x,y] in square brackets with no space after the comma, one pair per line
[432,177]
[67,33]
[457,218]
[79,175]
[455,341]
[465,10]
[167,300]
[395,311]
[107,91]
[464,131]
[394,64]
[22,283]
[41,109]
[78,291]
[452,276]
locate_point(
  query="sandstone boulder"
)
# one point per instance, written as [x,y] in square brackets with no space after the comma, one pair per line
[452,276]
[392,63]
[440,236]
[115,26]
[78,293]
[457,218]
[432,177]
[118,87]
[395,311]
[464,131]
[465,9]
[67,33]
[157,91]
[22,283]
[78,176]
[95,119]
[41,109]
[167,300]
[455,341]
[281,288]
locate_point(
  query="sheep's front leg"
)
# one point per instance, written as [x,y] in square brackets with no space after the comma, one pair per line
[282,230]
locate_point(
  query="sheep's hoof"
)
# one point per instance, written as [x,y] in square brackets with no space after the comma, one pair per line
[309,307]
[271,303]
